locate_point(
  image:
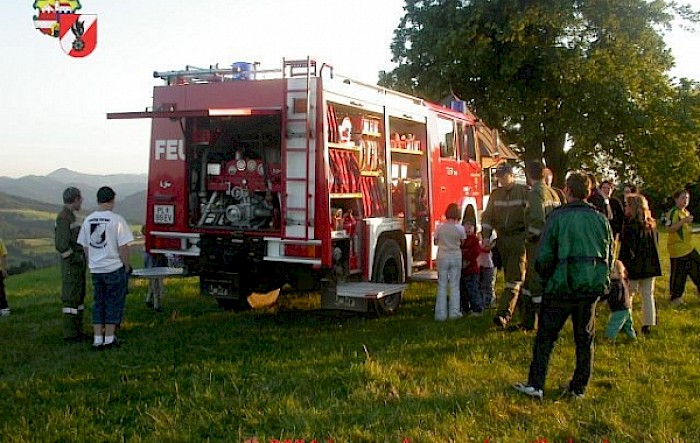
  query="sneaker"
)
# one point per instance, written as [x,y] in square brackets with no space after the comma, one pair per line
[500,322]
[475,314]
[528,390]
[115,344]
[573,394]
[149,304]
[5,312]
[646,329]
[97,346]
[456,316]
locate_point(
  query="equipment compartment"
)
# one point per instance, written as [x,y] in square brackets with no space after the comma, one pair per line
[235,172]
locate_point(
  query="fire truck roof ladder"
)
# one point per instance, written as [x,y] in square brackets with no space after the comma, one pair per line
[299,150]
[299,68]
[214,74]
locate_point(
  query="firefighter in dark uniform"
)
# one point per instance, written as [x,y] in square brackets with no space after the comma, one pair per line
[73,266]
[541,201]
[505,213]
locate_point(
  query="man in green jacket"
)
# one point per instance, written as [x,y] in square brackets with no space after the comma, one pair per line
[72,266]
[575,260]
[541,201]
[505,213]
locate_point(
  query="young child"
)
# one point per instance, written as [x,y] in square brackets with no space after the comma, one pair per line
[469,282]
[620,304]
[487,274]
[4,307]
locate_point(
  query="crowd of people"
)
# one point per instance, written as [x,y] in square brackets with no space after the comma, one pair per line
[562,251]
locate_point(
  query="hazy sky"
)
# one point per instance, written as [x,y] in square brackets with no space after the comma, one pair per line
[53,106]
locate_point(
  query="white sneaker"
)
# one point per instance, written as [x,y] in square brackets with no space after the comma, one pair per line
[5,312]
[574,395]
[528,390]
[456,316]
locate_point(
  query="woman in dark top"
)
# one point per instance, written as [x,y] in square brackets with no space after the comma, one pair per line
[640,255]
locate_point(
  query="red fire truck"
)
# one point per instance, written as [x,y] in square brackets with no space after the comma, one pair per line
[302,176]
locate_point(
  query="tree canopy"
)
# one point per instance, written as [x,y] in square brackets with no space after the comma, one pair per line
[578,83]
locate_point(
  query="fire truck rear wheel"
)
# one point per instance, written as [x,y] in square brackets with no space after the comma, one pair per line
[389,267]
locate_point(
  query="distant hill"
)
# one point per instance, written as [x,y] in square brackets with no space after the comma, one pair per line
[23,218]
[130,189]
[15,202]
[133,208]
[27,227]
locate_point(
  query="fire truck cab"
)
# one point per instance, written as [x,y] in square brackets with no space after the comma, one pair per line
[301,176]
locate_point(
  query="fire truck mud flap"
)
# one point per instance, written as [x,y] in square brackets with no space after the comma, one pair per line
[359,296]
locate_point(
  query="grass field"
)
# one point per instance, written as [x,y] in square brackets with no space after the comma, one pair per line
[293,372]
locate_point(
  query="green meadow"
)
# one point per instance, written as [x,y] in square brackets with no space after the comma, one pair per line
[295,372]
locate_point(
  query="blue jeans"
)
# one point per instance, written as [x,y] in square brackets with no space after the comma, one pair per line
[449,272]
[110,295]
[469,293]
[620,321]
[487,281]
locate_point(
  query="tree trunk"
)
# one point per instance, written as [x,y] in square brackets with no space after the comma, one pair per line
[556,158]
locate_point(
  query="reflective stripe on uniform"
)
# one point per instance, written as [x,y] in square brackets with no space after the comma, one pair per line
[74,311]
[534,230]
[507,203]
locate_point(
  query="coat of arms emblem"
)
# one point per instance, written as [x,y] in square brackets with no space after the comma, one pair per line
[77,33]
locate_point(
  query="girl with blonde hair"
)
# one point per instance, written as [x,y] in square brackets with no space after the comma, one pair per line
[640,255]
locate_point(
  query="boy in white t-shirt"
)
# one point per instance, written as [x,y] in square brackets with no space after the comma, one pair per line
[105,236]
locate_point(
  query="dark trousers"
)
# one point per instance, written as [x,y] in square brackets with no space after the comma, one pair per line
[532,287]
[3,296]
[513,256]
[681,268]
[553,316]
[73,294]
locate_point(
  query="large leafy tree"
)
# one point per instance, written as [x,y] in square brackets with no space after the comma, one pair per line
[579,83]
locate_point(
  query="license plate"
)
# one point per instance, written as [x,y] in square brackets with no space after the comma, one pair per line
[163,214]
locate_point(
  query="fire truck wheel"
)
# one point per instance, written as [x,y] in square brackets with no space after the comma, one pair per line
[389,267]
